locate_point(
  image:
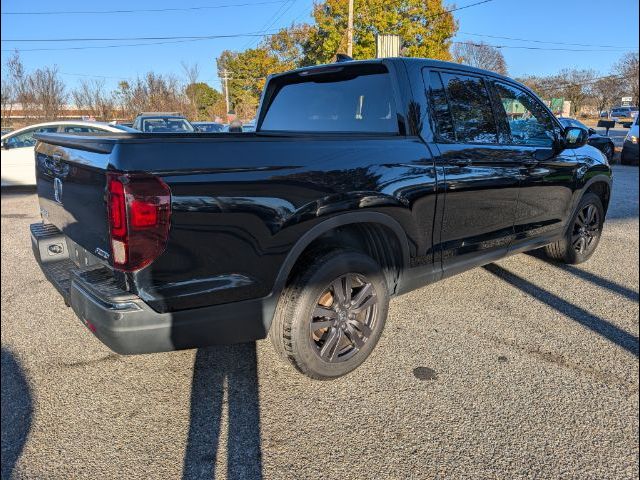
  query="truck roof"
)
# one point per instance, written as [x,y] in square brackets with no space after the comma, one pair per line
[160,114]
[425,62]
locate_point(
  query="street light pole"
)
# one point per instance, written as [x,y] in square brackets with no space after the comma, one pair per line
[350,30]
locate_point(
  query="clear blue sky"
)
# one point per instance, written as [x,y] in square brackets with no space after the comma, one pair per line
[610,22]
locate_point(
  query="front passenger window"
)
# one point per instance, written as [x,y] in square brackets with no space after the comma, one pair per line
[529,123]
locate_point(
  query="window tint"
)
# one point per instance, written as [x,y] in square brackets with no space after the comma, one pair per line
[470,106]
[440,114]
[208,127]
[355,104]
[80,129]
[529,123]
[25,139]
[166,125]
[570,122]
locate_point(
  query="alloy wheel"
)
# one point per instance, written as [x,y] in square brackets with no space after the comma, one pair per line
[344,318]
[586,229]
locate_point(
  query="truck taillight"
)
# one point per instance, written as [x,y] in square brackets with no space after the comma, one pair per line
[139,209]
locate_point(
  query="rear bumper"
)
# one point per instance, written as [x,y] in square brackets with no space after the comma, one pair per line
[125,323]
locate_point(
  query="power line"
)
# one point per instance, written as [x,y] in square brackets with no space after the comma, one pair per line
[435,15]
[93,76]
[213,37]
[524,47]
[184,39]
[209,79]
[549,88]
[280,16]
[543,41]
[272,20]
[119,39]
[461,8]
[113,46]
[145,10]
[204,37]
[303,12]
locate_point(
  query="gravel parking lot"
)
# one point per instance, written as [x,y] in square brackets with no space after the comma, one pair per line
[520,369]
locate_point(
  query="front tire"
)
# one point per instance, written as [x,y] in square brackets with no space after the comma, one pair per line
[331,314]
[608,149]
[583,235]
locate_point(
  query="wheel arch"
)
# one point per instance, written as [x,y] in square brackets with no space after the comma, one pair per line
[601,186]
[333,224]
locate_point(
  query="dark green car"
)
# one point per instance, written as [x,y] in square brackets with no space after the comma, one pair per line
[602,143]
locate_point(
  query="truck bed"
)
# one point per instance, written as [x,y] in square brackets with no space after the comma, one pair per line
[239,202]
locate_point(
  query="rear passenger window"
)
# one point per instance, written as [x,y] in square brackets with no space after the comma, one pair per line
[470,106]
[334,103]
[440,114]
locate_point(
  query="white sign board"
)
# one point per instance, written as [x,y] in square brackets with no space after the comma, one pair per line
[387,46]
[627,99]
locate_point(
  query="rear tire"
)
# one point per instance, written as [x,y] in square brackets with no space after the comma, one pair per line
[331,314]
[583,234]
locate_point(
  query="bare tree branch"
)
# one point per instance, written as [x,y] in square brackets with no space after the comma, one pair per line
[480,55]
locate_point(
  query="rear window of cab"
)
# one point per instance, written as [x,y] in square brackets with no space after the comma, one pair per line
[340,100]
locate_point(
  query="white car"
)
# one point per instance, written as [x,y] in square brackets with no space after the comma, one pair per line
[18,158]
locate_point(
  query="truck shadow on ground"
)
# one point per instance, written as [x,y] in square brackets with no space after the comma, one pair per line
[17,412]
[592,278]
[229,369]
[599,325]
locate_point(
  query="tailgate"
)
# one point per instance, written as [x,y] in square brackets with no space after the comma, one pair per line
[71,181]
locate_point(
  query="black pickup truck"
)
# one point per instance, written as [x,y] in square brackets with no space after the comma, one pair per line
[364,180]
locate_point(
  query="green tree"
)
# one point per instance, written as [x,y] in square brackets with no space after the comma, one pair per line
[246,74]
[425,28]
[290,45]
[205,100]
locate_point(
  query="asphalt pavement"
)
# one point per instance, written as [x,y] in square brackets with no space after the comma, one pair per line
[521,369]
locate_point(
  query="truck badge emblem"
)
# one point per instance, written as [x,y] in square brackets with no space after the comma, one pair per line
[55,249]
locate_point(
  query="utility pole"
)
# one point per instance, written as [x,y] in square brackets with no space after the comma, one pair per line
[350,30]
[226,88]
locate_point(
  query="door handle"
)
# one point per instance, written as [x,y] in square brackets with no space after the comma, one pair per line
[461,162]
[530,163]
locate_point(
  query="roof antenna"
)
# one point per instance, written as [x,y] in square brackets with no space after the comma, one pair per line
[341,57]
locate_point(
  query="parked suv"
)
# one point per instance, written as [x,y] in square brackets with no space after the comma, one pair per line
[363,181]
[159,122]
[624,115]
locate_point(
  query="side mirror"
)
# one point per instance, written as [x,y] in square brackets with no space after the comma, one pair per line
[592,131]
[5,145]
[575,137]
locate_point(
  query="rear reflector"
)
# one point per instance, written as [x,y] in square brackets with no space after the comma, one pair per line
[139,219]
